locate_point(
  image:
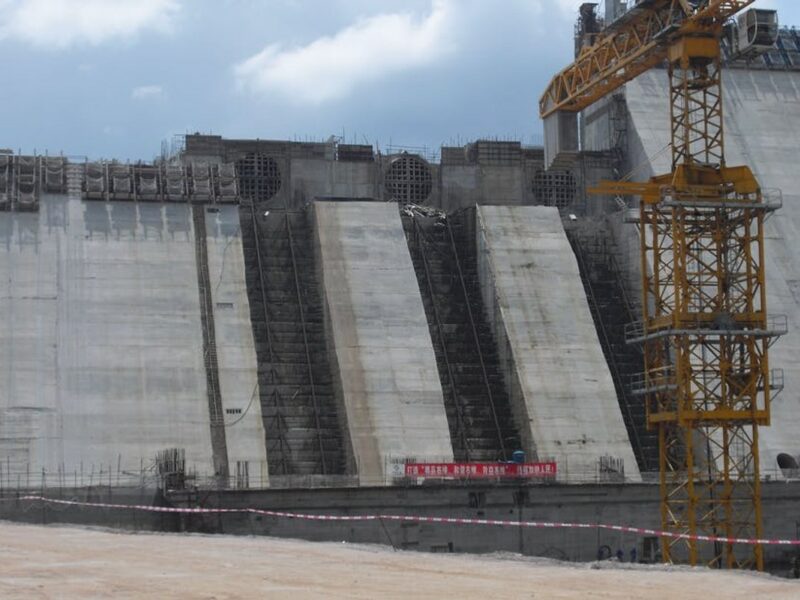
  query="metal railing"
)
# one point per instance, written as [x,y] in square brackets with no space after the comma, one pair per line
[665,378]
[461,430]
[772,198]
[278,421]
[777,382]
[656,380]
[17,482]
[774,326]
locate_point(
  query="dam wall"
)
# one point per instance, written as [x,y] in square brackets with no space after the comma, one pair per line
[101,343]
[236,355]
[561,383]
[380,341]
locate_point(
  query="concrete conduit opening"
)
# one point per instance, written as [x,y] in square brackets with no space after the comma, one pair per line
[788,465]
[260,177]
[409,179]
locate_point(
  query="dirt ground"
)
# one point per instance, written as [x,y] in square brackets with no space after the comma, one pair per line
[71,562]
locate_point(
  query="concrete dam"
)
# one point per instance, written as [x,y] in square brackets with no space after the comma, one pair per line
[344,313]
[440,350]
[302,314]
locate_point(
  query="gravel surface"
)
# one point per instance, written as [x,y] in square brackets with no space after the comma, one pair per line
[72,562]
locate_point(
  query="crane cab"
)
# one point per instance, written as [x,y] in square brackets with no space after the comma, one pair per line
[756,32]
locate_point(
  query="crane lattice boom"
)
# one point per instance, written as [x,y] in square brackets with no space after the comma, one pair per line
[633,44]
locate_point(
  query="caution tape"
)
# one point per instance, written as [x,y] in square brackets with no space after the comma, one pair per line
[416,519]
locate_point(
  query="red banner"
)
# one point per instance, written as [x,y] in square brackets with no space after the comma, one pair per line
[481,470]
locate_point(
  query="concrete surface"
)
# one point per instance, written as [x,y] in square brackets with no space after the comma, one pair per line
[561,385]
[315,177]
[762,126]
[236,355]
[464,186]
[100,338]
[379,335]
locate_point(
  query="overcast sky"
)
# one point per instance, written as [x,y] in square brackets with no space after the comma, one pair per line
[112,78]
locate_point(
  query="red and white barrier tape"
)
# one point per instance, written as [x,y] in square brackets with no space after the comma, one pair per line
[416,519]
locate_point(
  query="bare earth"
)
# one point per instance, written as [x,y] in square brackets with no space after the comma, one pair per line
[65,562]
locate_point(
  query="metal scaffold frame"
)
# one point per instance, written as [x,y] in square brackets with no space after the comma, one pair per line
[706,333]
[281,446]
[307,439]
[705,329]
[706,336]
[426,246]
[306,351]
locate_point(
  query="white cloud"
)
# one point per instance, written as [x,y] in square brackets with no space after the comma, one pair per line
[63,23]
[147,92]
[331,67]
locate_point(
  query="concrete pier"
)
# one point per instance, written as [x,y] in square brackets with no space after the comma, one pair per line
[379,337]
[561,388]
[236,355]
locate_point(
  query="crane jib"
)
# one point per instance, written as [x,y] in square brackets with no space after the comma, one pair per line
[631,45]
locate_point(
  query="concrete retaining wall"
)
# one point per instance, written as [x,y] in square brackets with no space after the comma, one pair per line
[632,505]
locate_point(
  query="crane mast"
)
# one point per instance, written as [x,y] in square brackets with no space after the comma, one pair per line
[705,329]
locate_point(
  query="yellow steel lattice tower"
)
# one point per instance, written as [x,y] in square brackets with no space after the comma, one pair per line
[705,330]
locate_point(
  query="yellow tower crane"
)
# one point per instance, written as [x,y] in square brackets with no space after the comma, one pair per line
[705,328]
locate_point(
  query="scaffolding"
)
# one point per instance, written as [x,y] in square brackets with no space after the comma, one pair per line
[408,179]
[198,182]
[554,188]
[480,417]
[303,421]
[260,177]
[612,309]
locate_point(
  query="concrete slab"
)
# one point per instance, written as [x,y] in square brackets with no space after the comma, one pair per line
[236,355]
[561,385]
[762,126]
[380,339]
[100,341]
